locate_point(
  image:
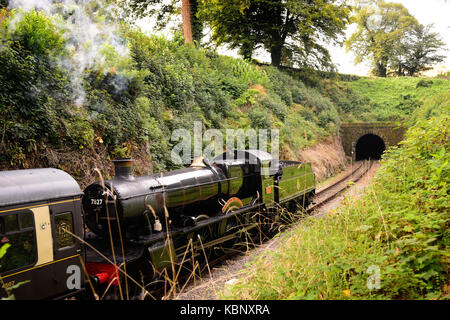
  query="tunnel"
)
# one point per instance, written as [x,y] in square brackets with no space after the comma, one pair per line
[369,146]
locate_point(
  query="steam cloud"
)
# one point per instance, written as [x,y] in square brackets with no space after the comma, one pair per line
[85,38]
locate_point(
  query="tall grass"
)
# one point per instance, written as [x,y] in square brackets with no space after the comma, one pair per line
[390,243]
[392,99]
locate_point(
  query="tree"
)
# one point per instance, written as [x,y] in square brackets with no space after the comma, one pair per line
[392,39]
[418,51]
[286,28]
[163,11]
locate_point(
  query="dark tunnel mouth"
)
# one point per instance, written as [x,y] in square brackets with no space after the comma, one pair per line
[369,146]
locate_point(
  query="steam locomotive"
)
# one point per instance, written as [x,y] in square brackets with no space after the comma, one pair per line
[124,232]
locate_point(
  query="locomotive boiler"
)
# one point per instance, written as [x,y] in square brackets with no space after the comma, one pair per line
[140,205]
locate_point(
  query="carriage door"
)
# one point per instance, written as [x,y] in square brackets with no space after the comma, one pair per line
[66,222]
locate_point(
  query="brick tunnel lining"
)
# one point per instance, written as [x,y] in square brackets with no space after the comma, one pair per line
[369,146]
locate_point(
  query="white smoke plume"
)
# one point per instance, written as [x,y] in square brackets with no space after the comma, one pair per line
[85,38]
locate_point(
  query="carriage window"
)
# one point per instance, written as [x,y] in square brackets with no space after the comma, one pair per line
[22,251]
[63,223]
[26,219]
[11,223]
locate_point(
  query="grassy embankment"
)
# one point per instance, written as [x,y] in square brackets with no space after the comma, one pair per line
[76,102]
[75,105]
[390,243]
[394,99]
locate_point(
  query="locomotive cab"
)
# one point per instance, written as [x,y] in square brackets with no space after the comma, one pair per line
[259,171]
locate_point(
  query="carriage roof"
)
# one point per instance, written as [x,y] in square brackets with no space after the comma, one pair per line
[32,185]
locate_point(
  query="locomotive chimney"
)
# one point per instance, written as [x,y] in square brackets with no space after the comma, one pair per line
[122,169]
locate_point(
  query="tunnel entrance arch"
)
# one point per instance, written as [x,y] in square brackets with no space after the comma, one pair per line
[390,132]
[369,146]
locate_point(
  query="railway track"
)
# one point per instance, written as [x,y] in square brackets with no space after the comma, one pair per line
[333,190]
[323,196]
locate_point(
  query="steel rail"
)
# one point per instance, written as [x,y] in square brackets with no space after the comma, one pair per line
[363,172]
[328,187]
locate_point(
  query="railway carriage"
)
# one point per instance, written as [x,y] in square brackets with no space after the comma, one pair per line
[35,206]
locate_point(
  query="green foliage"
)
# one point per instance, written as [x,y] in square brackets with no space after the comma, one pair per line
[393,40]
[418,51]
[393,99]
[260,119]
[37,34]
[252,24]
[3,249]
[185,84]
[399,227]
[33,89]
[424,83]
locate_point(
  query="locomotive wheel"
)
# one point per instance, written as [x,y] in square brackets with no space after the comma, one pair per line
[203,236]
[230,225]
[252,236]
[231,205]
[240,223]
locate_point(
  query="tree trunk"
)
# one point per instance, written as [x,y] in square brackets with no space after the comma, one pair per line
[246,50]
[197,24]
[275,54]
[381,70]
[187,21]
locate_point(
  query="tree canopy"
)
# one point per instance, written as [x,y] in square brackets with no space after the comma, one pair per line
[418,51]
[393,40]
[294,30]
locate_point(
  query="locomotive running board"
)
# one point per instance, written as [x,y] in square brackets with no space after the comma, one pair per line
[219,218]
[230,236]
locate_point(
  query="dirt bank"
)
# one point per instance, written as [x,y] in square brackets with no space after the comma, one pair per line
[326,158]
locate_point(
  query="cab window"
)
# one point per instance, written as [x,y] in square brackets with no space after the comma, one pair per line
[18,231]
[265,169]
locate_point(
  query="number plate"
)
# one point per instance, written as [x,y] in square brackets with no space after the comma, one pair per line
[96,202]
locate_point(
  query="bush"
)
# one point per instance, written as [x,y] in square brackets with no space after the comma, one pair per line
[424,83]
[260,119]
[33,90]
[35,33]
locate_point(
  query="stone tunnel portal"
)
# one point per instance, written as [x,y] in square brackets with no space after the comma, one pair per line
[369,146]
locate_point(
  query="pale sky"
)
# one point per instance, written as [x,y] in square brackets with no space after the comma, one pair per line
[425,11]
